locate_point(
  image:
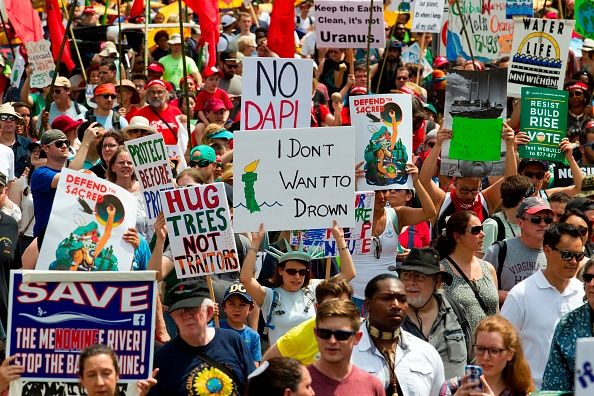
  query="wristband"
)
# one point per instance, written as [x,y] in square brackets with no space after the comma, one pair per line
[343,248]
[253,249]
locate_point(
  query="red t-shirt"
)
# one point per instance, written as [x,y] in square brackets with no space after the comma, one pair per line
[357,382]
[169,115]
[204,95]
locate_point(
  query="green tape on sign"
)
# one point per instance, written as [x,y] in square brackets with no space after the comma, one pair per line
[476,139]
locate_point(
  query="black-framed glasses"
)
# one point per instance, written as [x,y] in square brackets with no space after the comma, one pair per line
[339,335]
[61,142]
[493,352]
[538,219]
[567,255]
[537,175]
[413,275]
[109,96]
[575,93]
[475,230]
[295,271]
[7,117]
[377,247]
[587,278]
[110,145]
[203,163]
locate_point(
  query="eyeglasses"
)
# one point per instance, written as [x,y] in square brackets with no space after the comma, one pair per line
[108,96]
[587,278]
[537,175]
[413,275]
[203,163]
[7,117]
[377,247]
[567,255]
[476,230]
[575,93]
[61,142]
[538,219]
[493,352]
[110,146]
[339,335]
[583,230]
[464,190]
[123,162]
[294,271]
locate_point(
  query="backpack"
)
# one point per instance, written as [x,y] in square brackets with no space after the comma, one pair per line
[500,228]
[115,118]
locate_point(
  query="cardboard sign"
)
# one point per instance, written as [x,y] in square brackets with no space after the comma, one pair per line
[384,139]
[358,238]
[345,24]
[519,8]
[563,176]
[276,93]
[540,52]
[18,69]
[584,367]
[152,170]
[294,179]
[427,16]
[199,227]
[53,316]
[88,220]
[42,63]
[584,24]
[489,32]
[478,102]
[544,120]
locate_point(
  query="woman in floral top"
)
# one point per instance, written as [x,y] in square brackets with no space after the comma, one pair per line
[498,351]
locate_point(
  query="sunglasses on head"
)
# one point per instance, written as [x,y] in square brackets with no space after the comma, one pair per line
[339,335]
[7,117]
[567,255]
[109,96]
[61,142]
[588,277]
[537,175]
[476,230]
[203,163]
[538,219]
[294,271]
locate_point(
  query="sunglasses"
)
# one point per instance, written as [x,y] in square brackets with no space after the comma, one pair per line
[537,175]
[60,143]
[464,190]
[294,271]
[203,163]
[7,117]
[588,277]
[476,230]
[575,93]
[108,96]
[538,219]
[339,335]
[377,247]
[57,91]
[566,255]
[583,231]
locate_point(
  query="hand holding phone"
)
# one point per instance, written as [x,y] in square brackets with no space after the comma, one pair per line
[474,375]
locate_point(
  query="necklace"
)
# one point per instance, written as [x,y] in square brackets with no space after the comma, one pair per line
[509,224]
[384,335]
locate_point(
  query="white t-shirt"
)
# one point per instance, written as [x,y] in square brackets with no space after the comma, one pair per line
[291,309]
[309,44]
[7,162]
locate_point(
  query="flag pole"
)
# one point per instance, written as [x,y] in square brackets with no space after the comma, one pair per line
[466,34]
[121,66]
[367,66]
[185,70]
[147,11]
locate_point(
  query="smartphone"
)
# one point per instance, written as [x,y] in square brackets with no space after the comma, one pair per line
[474,375]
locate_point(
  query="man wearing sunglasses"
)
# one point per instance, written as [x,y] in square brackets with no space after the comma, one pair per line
[515,259]
[105,96]
[62,104]
[230,81]
[535,305]
[203,158]
[537,171]
[337,333]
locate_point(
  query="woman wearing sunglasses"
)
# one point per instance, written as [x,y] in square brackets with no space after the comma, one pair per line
[475,281]
[291,299]
[559,372]
[579,111]
[498,351]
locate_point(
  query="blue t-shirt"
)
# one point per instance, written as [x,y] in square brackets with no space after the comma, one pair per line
[142,255]
[251,339]
[43,196]
[181,369]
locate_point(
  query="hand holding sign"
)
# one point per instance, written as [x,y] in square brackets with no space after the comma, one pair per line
[9,372]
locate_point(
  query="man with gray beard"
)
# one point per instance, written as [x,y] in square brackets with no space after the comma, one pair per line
[162,117]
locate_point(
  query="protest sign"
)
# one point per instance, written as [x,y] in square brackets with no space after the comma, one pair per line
[53,316]
[519,8]
[90,94]
[544,120]
[539,54]
[412,54]
[152,170]
[358,238]
[199,227]
[42,63]
[18,69]
[584,23]
[584,367]
[562,176]
[427,16]
[88,220]
[281,96]
[345,24]
[477,101]
[294,178]
[384,139]
[490,34]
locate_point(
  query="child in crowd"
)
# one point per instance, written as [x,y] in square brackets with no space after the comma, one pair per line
[211,90]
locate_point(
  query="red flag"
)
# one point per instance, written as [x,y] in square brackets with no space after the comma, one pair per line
[208,17]
[56,34]
[281,33]
[137,8]
[24,19]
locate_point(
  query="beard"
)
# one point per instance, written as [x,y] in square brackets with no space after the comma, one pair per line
[417,302]
[157,103]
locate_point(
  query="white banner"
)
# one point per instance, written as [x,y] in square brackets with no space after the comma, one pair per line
[427,16]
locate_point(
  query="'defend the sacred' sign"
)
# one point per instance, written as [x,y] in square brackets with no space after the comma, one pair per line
[544,120]
[294,179]
[54,316]
[199,227]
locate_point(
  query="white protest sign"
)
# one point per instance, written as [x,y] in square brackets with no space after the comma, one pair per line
[294,178]
[88,220]
[427,16]
[281,97]
[42,63]
[384,139]
[412,55]
[151,166]
[539,54]
[18,68]
[584,367]
[199,228]
[345,24]
[89,94]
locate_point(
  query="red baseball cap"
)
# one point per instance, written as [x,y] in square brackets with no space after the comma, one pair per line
[211,71]
[65,123]
[156,67]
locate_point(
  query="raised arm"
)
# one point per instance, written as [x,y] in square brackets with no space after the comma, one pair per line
[410,216]
[247,275]
[430,165]
[347,268]
[493,193]
[576,172]
[158,262]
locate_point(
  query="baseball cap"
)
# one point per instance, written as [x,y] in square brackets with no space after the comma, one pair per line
[62,82]
[228,56]
[214,104]
[237,289]
[174,39]
[358,91]
[108,49]
[425,261]
[188,294]
[157,83]
[527,161]
[4,181]
[211,71]
[156,67]
[203,152]
[227,20]
[220,134]
[65,123]
[588,45]
[532,205]
[52,135]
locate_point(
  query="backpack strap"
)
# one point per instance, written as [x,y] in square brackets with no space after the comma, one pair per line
[268,324]
[502,245]
[115,120]
[500,228]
